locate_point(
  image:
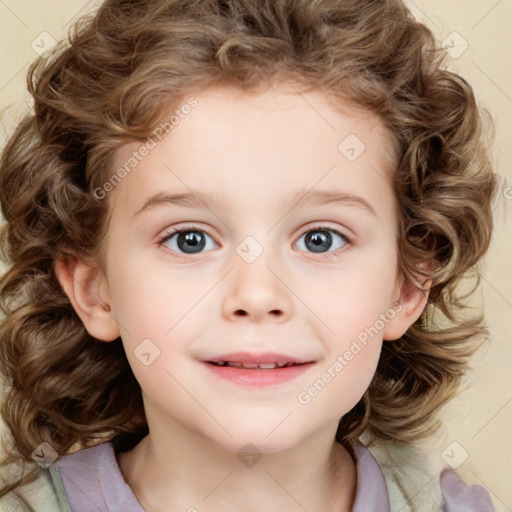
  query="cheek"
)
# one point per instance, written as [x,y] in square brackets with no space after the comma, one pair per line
[158,314]
[149,303]
[340,384]
[354,307]
[352,299]
[352,344]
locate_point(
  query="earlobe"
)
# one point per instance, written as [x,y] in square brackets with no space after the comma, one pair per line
[410,303]
[87,289]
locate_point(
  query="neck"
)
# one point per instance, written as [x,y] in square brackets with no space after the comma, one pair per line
[188,471]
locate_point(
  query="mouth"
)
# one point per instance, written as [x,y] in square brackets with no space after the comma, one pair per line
[253,361]
[257,370]
[255,366]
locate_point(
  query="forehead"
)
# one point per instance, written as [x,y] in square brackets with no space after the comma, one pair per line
[239,143]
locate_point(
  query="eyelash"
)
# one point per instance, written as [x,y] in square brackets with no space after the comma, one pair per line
[331,255]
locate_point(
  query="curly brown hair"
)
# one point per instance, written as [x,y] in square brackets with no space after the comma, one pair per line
[110,82]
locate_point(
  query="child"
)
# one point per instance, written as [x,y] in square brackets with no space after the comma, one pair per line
[332,181]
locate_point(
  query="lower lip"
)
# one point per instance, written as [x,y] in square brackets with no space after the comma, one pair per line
[258,378]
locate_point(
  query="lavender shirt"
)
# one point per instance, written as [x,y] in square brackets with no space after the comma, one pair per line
[94,483]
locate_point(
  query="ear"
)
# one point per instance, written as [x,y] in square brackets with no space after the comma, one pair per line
[88,291]
[408,303]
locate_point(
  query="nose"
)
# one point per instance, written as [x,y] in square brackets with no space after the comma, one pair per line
[256,291]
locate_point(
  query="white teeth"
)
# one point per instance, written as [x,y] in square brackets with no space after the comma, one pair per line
[263,366]
[269,366]
[250,365]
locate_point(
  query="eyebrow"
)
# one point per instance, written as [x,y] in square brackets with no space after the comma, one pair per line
[196,198]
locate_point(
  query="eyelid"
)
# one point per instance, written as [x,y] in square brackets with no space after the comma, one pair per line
[308,227]
[329,256]
[169,232]
[345,233]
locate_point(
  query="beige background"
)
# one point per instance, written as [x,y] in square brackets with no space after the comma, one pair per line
[478,422]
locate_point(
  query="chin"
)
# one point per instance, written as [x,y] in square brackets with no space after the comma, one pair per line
[266,436]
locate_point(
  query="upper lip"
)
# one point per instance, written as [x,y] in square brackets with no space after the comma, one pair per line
[265,358]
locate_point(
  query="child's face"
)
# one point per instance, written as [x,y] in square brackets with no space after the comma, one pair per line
[257,285]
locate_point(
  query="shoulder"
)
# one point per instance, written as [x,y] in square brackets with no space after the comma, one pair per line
[457,496]
[84,475]
[88,457]
[48,492]
[93,480]
[417,483]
